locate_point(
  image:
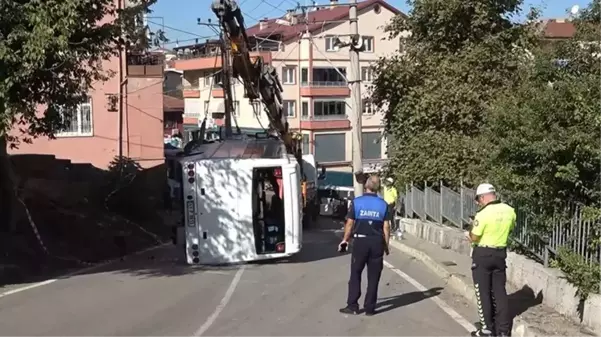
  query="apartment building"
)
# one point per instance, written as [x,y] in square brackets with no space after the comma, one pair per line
[106,126]
[313,73]
[122,116]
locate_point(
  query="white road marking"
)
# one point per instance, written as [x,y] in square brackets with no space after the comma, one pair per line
[441,304]
[77,272]
[224,301]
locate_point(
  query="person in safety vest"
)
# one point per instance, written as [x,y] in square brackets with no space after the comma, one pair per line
[489,235]
[368,222]
[391,196]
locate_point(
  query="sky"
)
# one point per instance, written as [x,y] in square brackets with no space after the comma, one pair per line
[179,17]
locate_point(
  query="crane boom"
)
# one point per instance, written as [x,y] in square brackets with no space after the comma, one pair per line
[260,80]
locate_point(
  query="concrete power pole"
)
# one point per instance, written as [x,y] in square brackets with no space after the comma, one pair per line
[356,110]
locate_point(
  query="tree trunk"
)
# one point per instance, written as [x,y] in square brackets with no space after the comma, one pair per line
[8,201]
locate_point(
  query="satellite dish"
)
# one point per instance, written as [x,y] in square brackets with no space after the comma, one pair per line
[575,9]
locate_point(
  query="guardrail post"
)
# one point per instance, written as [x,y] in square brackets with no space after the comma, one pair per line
[546,252]
[412,200]
[407,196]
[461,203]
[425,200]
[441,199]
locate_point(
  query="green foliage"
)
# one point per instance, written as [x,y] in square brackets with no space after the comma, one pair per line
[51,54]
[546,142]
[121,193]
[123,169]
[477,96]
[584,276]
[460,55]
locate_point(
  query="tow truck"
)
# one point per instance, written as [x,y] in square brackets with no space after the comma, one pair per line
[246,197]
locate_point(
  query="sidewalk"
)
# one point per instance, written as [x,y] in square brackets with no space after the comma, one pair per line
[531,317]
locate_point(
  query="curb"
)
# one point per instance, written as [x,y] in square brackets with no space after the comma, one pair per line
[520,327]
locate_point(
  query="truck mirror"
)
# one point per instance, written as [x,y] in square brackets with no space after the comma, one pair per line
[322,173]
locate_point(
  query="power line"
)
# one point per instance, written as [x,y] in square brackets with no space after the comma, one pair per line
[190,40]
[275,8]
[179,30]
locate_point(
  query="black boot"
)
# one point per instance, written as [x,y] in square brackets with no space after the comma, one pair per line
[349,311]
[482,333]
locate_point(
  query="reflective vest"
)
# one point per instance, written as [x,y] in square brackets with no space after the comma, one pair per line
[493,224]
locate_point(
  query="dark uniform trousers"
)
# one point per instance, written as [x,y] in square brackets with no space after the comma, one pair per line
[368,251]
[489,274]
[369,212]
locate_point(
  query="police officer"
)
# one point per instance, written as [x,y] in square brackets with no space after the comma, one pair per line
[368,222]
[489,235]
[390,195]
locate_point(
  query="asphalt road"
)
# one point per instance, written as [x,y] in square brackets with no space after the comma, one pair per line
[153,294]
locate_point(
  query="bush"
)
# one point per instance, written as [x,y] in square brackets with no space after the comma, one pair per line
[584,276]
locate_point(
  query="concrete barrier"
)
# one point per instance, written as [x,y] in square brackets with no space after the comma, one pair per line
[558,294]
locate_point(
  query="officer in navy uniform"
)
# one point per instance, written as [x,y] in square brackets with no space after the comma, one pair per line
[368,222]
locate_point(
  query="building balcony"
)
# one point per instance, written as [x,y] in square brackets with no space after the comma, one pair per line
[191,92]
[324,89]
[145,65]
[325,122]
[191,118]
[211,61]
[217,93]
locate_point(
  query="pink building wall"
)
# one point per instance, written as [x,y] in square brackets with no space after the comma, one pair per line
[142,125]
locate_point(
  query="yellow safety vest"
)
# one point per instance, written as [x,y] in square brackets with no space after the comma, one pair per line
[390,194]
[493,224]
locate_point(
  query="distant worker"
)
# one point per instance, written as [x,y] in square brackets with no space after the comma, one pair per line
[391,196]
[489,235]
[368,222]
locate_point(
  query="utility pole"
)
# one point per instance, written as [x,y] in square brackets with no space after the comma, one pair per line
[356,106]
[226,73]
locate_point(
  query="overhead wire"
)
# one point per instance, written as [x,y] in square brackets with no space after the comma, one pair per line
[178,30]
[359,115]
[332,64]
[210,89]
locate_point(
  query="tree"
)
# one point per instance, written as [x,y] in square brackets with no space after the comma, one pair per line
[459,55]
[546,131]
[51,54]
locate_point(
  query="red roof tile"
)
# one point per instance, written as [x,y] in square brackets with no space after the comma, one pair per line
[171,103]
[317,19]
[559,30]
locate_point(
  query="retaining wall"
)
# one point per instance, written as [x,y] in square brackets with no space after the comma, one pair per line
[558,293]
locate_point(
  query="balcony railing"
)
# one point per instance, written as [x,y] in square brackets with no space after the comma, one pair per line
[325,117]
[324,84]
[194,115]
[188,56]
[145,64]
[145,59]
[199,54]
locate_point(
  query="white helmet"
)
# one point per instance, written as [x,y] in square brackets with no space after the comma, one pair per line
[390,180]
[485,189]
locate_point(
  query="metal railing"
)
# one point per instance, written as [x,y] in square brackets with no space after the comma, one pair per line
[324,84]
[324,117]
[457,208]
[145,59]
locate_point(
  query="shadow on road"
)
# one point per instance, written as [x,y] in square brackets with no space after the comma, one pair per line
[317,245]
[393,302]
[169,260]
[522,300]
[519,302]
